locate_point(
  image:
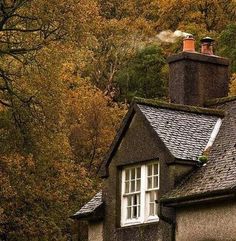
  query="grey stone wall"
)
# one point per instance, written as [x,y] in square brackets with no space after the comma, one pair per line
[195,78]
[209,222]
[95,231]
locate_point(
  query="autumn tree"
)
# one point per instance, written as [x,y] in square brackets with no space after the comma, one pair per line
[211,15]
[92,120]
[64,68]
[233,84]
[43,182]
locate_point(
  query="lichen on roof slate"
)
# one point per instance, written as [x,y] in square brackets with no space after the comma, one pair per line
[218,101]
[179,107]
[220,172]
[185,134]
[90,206]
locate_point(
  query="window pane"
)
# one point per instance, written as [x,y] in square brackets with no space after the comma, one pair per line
[129,213]
[138,172]
[155,169]
[138,199]
[129,200]
[133,186]
[149,170]
[149,182]
[135,212]
[136,206]
[152,196]
[133,173]
[151,209]
[155,182]
[138,211]
[127,175]
[127,187]
[138,183]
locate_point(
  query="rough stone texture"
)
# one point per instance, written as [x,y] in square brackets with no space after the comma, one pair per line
[185,134]
[139,144]
[95,231]
[215,222]
[90,206]
[81,231]
[220,171]
[195,78]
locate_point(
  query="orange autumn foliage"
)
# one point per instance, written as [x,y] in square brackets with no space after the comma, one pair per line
[58,97]
[35,196]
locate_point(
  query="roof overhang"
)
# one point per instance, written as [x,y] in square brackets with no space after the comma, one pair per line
[95,215]
[205,197]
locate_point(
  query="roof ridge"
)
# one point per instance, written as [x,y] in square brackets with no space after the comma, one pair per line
[179,107]
[220,100]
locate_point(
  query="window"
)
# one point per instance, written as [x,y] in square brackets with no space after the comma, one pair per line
[140,186]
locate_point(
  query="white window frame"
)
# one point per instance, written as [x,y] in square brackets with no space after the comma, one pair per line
[144,196]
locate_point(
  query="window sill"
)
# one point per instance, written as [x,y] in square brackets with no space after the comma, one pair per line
[152,219]
[139,224]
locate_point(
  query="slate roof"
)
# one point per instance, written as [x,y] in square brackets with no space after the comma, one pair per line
[90,206]
[219,174]
[185,134]
[189,127]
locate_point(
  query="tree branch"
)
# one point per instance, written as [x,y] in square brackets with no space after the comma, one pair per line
[7,104]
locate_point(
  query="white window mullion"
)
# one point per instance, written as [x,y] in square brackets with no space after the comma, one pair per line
[143,189]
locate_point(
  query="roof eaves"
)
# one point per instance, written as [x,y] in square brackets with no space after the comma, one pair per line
[176,201]
[103,172]
[97,213]
[178,107]
[184,161]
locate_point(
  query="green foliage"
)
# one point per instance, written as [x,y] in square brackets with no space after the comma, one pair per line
[142,76]
[203,159]
[227,44]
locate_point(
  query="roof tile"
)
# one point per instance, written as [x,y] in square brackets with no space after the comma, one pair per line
[185,134]
[220,171]
[90,206]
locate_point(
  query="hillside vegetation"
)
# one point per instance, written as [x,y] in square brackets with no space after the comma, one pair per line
[68,69]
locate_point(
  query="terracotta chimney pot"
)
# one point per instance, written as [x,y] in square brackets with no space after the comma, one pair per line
[207,46]
[189,44]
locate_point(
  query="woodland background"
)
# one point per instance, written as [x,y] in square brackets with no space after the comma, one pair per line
[68,70]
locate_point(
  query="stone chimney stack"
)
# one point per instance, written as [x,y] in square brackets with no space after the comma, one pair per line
[197,77]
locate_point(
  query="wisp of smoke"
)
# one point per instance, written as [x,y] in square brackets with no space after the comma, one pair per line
[171,37]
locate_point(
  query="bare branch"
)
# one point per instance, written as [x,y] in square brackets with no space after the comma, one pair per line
[3,102]
[20,50]
[24,17]
[21,30]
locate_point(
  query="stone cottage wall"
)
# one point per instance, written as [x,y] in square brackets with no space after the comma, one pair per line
[95,231]
[138,145]
[209,222]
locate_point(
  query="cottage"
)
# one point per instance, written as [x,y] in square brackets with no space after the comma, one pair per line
[170,173]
